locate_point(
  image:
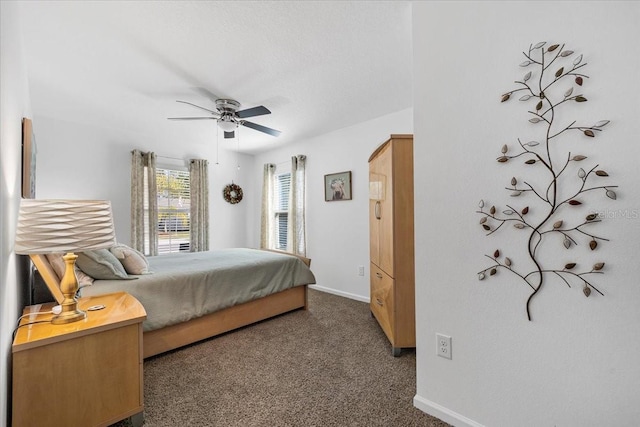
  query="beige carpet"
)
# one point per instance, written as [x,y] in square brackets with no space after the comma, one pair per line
[328,366]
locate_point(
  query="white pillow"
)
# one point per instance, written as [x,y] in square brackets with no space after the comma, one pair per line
[59,267]
[133,261]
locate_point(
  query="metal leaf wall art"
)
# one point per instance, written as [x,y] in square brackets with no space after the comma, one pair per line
[553,81]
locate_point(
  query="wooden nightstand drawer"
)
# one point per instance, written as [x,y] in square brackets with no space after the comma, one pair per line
[382,299]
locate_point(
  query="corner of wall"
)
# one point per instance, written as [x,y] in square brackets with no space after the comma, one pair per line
[14,105]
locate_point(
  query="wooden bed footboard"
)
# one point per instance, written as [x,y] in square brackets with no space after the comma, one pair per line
[175,336]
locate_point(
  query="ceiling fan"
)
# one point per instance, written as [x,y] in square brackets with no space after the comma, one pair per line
[229,117]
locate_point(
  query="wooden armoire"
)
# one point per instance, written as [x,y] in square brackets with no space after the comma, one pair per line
[392,240]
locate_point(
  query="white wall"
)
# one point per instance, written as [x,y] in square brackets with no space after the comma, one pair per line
[84,161]
[337,232]
[577,362]
[14,105]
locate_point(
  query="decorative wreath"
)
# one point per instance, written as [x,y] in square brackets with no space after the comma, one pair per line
[232,193]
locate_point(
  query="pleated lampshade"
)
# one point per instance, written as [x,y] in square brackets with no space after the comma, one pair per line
[48,226]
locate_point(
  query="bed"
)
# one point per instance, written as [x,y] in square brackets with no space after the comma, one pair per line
[197,295]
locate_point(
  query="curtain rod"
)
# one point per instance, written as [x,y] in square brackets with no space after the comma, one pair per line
[172,158]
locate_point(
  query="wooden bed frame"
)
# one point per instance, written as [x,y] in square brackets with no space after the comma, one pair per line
[175,336]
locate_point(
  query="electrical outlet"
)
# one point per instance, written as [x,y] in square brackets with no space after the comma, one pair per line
[443,346]
[361,270]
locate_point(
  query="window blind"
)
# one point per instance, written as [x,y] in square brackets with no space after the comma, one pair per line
[282,187]
[174,222]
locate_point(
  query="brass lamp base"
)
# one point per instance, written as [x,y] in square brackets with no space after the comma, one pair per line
[69,287]
[69,317]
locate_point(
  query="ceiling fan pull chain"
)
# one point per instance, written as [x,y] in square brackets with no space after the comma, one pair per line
[217,144]
[238,151]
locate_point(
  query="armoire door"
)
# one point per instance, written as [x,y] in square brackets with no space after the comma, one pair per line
[384,166]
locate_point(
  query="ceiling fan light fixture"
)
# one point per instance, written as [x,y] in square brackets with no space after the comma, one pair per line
[227,124]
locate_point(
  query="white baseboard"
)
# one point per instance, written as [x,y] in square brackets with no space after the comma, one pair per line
[445,414]
[340,293]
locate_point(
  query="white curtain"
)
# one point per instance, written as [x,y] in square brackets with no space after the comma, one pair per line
[267,226]
[144,203]
[199,181]
[296,233]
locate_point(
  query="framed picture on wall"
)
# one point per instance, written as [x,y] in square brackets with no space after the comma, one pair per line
[28,160]
[337,186]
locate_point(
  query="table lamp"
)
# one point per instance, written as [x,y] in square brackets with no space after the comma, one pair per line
[48,226]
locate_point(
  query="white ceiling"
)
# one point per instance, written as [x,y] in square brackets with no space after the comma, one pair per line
[318,66]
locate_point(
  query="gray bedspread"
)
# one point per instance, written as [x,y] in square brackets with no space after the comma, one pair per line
[187,285]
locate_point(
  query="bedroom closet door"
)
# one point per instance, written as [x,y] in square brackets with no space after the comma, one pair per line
[392,291]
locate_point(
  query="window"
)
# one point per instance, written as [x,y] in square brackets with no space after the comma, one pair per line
[281,208]
[174,223]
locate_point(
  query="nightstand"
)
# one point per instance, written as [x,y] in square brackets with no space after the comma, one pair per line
[86,373]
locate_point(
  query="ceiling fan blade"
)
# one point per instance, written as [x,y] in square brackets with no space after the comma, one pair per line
[252,112]
[261,128]
[191,118]
[202,108]
[228,135]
